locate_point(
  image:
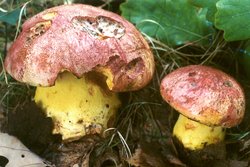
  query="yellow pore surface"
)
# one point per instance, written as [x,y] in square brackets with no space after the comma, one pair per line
[77,106]
[194,135]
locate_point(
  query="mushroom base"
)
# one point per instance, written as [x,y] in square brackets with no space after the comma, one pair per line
[194,135]
[77,106]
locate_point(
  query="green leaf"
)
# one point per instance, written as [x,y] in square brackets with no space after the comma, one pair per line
[174,22]
[202,3]
[233,16]
[10,17]
[209,4]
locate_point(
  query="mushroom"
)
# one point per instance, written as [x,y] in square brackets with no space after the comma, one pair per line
[208,101]
[79,57]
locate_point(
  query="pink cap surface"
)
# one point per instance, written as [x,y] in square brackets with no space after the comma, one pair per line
[79,39]
[205,94]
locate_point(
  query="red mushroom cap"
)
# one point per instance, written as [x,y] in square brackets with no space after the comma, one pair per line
[205,94]
[80,38]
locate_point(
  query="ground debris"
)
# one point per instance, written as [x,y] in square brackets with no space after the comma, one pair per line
[244,150]
[245,145]
[142,159]
[154,154]
[107,159]
[3,120]
[230,163]
[75,153]
[208,156]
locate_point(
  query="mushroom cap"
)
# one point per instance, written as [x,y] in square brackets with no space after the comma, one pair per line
[80,38]
[204,94]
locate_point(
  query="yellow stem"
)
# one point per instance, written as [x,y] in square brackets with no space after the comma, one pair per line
[77,106]
[194,135]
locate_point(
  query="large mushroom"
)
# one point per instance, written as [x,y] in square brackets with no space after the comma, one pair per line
[78,56]
[208,101]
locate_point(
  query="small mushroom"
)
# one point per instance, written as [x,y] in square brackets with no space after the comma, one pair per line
[208,101]
[67,52]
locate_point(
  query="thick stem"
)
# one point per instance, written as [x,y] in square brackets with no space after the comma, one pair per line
[77,106]
[194,135]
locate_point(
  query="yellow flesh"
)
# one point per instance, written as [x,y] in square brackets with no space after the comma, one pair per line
[107,72]
[194,135]
[77,106]
[49,16]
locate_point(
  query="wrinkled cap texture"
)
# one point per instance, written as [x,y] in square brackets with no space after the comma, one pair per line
[205,94]
[79,39]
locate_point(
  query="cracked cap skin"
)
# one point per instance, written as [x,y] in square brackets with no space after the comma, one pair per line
[80,38]
[204,94]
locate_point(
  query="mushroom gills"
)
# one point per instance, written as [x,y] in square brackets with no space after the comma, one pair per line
[194,135]
[77,106]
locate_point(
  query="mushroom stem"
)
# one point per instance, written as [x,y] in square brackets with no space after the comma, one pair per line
[77,106]
[194,135]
